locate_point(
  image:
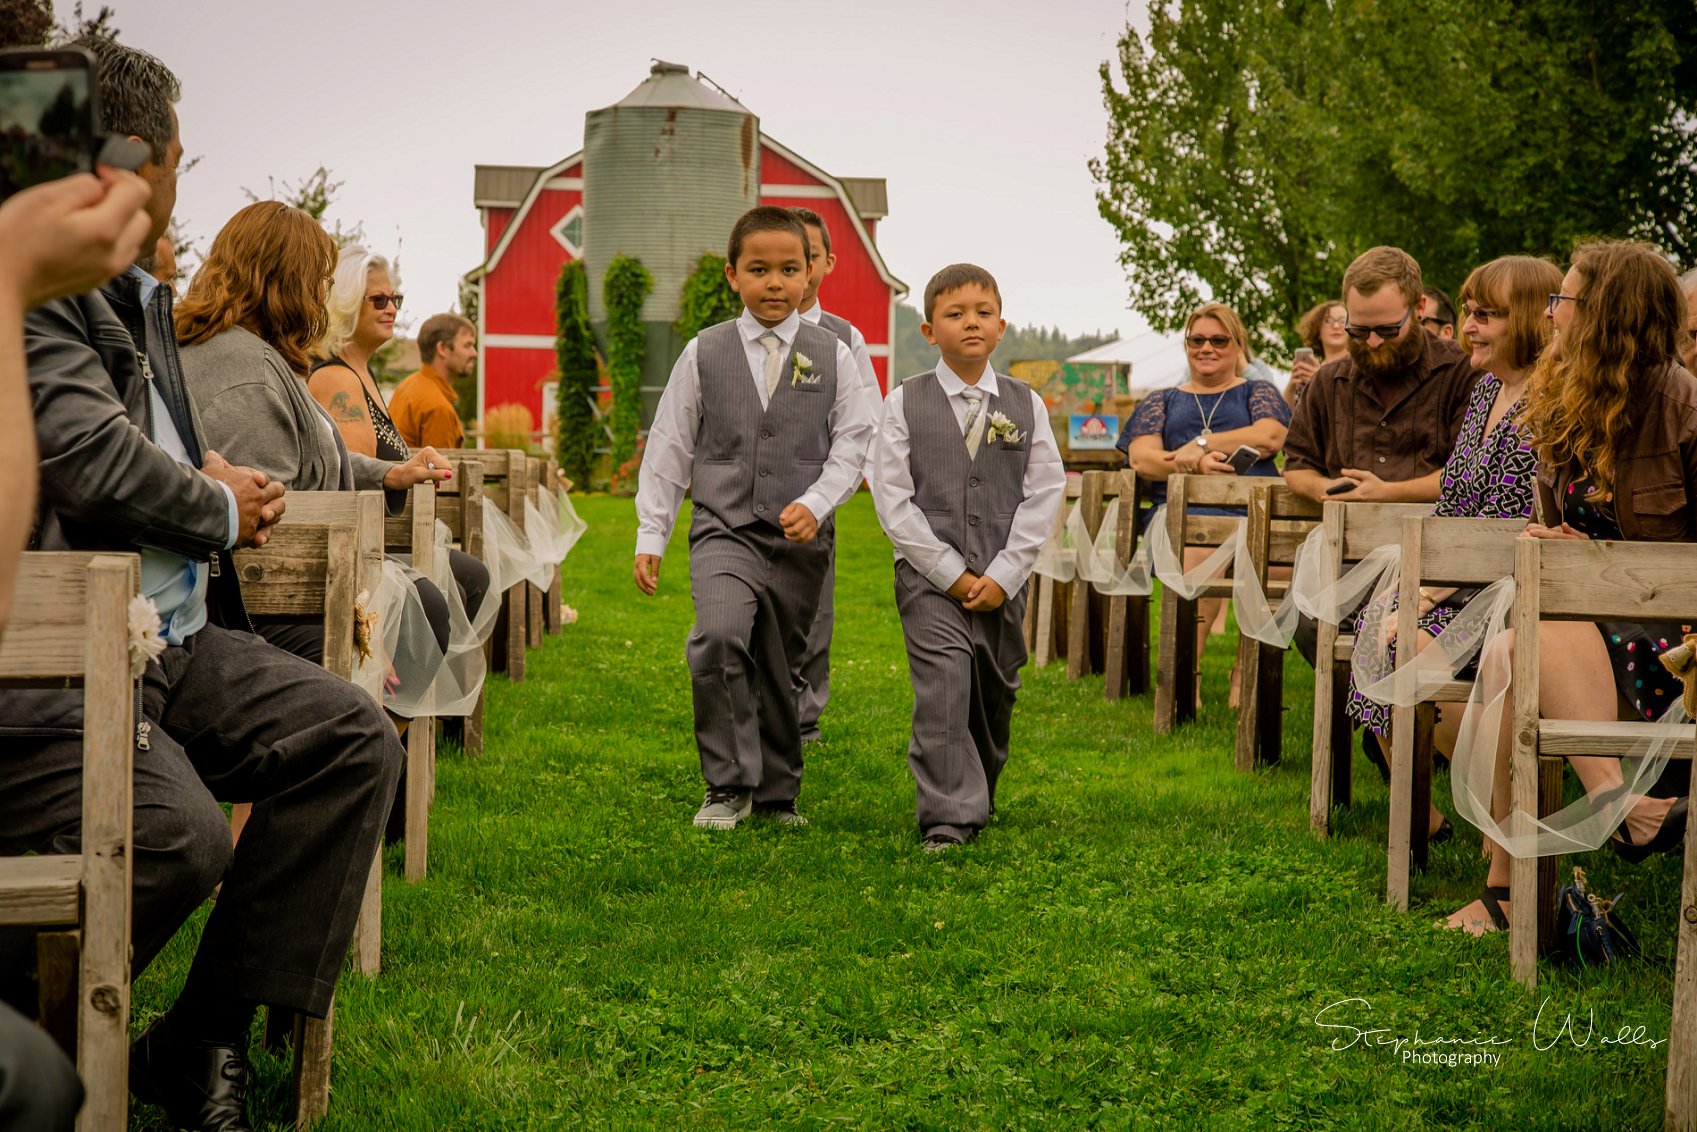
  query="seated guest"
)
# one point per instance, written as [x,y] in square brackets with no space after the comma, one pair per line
[1612,417]
[223,714]
[1195,427]
[1321,331]
[362,305]
[424,406]
[1688,348]
[1490,473]
[1437,313]
[1378,425]
[245,329]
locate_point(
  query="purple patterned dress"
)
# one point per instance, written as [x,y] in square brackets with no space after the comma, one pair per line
[1487,477]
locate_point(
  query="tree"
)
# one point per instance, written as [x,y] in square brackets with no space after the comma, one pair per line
[574,350]
[25,23]
[1255,148]
[624,288]
[707,298]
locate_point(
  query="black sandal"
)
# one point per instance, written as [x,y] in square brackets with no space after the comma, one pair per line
[1669,838]
[1490,896]
[1443,833]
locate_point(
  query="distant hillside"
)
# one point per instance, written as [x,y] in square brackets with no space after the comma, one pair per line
[911,354]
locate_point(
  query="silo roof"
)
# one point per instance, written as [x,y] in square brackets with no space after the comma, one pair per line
[670,85]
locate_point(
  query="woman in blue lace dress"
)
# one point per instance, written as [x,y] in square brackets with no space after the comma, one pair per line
[1195,427]
[1491,473]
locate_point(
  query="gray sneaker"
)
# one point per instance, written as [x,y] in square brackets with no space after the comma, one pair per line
[784,813]
[723,808]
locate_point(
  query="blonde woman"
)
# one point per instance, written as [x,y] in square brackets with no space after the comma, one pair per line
[365,299]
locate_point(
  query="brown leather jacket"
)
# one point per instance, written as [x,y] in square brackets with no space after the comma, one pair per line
[1655,487]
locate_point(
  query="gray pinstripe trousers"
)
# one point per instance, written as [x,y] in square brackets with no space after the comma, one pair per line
[813,690]
[965,673]
[755,596]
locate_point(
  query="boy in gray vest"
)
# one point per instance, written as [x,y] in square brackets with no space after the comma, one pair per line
[814,691]
[966,478]
[765,417]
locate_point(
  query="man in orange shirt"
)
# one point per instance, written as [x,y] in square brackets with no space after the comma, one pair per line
[423,405]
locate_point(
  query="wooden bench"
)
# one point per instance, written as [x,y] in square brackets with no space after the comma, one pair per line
[327,549]
[1571,580]
[1125,670]
[413,533]
[1278,521]
[1436,552]
[1175,670]
[459,507]
[550,489]
[1680,1111]
[1046,610]
[506,483]
[70,625]
[1353,531]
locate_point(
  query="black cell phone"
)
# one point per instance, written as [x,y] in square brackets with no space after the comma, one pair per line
[1246,457]
[49,120]
[1342,486]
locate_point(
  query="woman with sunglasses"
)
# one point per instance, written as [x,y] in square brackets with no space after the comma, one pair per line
[365,300]
[1489,474]
[1322,334]
[1195,427]
[1612,418]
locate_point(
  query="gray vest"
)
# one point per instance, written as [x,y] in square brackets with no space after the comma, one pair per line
[838,326]
[970,503]
[751,463]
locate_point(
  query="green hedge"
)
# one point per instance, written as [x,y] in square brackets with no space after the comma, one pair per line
[707,298]
[574,351]
[623,289]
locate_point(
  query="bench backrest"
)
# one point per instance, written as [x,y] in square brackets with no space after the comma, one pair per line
[1460,552]
[1594,580]
[460,502]
[1187,491]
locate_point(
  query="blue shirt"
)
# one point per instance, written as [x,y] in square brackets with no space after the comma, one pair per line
[176,583]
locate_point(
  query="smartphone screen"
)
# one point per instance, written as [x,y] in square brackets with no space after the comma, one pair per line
[46,117]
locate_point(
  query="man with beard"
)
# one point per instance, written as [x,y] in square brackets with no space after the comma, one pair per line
[1384,418]
[1378,425]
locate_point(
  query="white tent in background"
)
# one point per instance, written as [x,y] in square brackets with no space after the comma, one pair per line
[1155,359]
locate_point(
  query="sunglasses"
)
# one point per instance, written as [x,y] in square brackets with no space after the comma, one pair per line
[381,302]
[1558,300]
[1481,315]
[1218,341]
[1362,333]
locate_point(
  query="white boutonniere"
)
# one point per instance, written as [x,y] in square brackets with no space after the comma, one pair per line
[1003,429]
[147,634]
[803,373]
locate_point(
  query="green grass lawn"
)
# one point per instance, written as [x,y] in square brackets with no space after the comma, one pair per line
[1143,937]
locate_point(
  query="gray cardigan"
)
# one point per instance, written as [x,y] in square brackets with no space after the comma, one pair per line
[255,411]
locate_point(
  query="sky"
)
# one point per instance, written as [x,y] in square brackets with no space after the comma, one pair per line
[982,117]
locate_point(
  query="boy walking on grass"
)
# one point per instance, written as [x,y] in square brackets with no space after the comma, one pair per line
[765,419]
[966,478]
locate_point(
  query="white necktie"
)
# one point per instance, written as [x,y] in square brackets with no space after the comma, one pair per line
[774,362]
[974,419]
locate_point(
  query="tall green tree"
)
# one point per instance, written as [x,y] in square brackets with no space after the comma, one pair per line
[574,351]
[624,288]
[1255,147]
[707,298]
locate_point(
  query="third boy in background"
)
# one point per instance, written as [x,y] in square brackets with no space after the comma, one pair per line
[814,691]
[966,478]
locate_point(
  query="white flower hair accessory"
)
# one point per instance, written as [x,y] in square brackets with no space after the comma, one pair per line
[147,634]
[803,374]
[1003,429]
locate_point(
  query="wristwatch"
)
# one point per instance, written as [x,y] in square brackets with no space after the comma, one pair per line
[1202,443]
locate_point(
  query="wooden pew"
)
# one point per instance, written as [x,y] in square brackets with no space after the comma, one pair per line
[1125,670]
[413,532]
[459,505]
[327,549]
[552,489]
[69,625]
[1087,612]
[1175,674]
[1046,611]
[1680,1110]
[1353,531]
[1562,580]
[1435,552]
[506,481]
[1278,522]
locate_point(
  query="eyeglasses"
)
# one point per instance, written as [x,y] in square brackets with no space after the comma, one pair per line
[1334,321]
[1218,341]
[381,302]
[1362,333]
[1480,315]
[1556,300]
[1434,322]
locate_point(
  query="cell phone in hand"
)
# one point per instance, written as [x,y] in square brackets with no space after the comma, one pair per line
[1342,486]
[1246,457]
[47,116]
[1302,353]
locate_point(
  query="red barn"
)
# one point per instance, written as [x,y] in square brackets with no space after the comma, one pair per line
[533,222]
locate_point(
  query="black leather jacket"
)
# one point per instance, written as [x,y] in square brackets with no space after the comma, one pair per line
[105,485]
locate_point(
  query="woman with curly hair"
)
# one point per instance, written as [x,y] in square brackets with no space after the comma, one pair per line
[1322,334]
[1612,418]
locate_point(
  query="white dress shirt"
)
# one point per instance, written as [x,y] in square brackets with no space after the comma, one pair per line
[669,459]
[862,358]
[905,523]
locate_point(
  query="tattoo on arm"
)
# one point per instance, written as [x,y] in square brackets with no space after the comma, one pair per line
[343,409]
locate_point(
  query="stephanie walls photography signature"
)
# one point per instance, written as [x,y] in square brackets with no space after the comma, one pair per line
[1550,1028]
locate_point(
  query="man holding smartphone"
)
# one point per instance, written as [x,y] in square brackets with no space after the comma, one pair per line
[224,716]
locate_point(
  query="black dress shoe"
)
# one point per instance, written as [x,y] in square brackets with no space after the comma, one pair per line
[1444,832]
[200,1085]
[1668,839]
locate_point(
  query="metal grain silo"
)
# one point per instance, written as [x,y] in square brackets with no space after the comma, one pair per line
[667,171]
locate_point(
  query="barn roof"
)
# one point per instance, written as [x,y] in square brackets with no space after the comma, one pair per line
[503,186]
[871,199]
